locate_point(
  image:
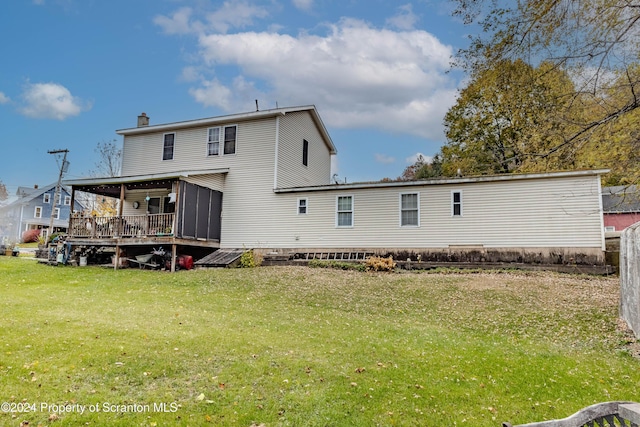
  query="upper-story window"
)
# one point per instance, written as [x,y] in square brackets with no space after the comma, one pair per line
[305,152]
[46,198]
[56,213]
[167,150]
[230,139]
[37,212]
[67,200]
[302,206]
[228,134]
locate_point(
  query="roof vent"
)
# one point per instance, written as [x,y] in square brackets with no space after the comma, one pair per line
[143,120]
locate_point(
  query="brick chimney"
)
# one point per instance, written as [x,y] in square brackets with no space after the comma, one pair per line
[35,187]
[143,120]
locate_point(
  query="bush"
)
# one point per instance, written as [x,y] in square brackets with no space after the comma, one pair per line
[376,263]
[250,259]
[30,236]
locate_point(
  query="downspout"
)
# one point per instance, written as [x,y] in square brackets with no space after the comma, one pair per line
[602,237]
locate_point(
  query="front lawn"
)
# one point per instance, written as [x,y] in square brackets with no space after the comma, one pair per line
[294,346]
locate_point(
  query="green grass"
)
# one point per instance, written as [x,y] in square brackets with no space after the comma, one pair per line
[313,347]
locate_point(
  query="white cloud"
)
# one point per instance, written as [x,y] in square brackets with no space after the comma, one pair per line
[303,4]
[50,101]
[4,98]
[359,76]
[232,14]
[405,19]
[384,159]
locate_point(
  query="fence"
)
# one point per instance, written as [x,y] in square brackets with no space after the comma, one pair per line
[630,277]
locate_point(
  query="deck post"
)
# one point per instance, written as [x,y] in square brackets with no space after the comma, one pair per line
[174,250]
[116,259]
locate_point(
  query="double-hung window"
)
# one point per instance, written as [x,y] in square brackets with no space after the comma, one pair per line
[230,139]
[37,213]
[409,209]
[344,211]
[225,135]
[456,203]
[67,200]
[46,198]
[167,150]
[302,206]
[213,142]
[56,213]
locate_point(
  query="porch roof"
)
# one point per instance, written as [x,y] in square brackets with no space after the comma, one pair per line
[110,186]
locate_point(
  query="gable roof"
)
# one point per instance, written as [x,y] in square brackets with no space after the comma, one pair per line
[620,199]
[27,194]
[254,115]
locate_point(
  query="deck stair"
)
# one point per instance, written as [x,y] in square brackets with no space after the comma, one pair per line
[221,258]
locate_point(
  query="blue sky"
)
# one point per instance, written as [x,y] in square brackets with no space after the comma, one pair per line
[74,71]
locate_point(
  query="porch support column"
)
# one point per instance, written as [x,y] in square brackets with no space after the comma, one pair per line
[174,251]
[121,206]
[116,259]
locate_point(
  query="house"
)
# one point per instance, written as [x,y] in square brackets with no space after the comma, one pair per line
[620,207]
[262,180]
[33,210]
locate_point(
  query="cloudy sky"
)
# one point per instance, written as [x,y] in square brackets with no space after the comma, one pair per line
[74,71]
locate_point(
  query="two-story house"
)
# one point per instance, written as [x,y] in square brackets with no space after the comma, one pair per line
[263,180]
[33,210]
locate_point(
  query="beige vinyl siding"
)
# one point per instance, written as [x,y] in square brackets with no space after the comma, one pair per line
[140,197]
[544,213]
[294,128]
[142,154]
[213,181]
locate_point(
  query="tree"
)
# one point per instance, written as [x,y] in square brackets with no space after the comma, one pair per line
[109,159]
[595,41]
[4,195]
[506,119]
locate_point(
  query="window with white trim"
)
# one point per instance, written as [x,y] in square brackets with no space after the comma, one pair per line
[302,206]
[37,213]
[344,211]
[456,203]
[213,142]
[409,209]
[46,198]
[168,146]
[225,135]
[56,213]
[67,200]
[230,134]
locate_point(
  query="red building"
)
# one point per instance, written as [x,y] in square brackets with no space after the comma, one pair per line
[620,207]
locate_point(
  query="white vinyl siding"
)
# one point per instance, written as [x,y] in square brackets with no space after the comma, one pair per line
[295,128]
[409,209]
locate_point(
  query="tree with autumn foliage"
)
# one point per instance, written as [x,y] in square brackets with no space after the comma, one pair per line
[593,42]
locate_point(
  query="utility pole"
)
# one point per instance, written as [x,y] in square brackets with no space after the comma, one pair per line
[63,168]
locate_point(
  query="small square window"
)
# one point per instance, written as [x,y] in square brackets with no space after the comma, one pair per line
[302,206]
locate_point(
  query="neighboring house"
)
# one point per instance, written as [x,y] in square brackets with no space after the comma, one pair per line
[33,210]
[263,180]
[620,207]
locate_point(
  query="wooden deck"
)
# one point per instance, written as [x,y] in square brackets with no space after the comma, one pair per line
[133,226]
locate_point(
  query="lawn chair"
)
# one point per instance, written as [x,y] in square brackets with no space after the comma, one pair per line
[608,414]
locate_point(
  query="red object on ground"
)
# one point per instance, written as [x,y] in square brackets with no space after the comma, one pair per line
[185,261]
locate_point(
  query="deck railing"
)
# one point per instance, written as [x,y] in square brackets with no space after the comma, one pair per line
[122,226]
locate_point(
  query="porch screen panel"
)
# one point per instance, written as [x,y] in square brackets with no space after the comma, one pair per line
[188,212]
[202,220]
[215,210]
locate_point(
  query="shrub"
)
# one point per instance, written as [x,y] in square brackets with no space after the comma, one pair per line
[30,236]
[250,259]
[376,263]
